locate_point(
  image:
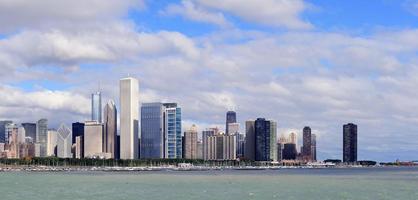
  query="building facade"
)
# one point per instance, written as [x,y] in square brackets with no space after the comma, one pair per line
[93,139]
[52,143]
[78,130]
[41,136]
[110,129]
[307,144]
[231,117]
[205,141]
[314,147]
[249,152]
[3,130]
[30,130]
[190,143]
[152,131]
[220,147]
[96,106]
[129,118]
[172,126]
[64,143]
[349,143]
[265,140]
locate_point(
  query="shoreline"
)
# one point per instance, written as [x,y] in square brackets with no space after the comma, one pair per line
[174,168]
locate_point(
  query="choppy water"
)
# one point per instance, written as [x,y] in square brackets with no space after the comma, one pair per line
[304,184]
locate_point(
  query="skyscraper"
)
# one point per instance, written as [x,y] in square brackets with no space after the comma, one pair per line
[110,128]
[207,148]
[152,130]
[173,137]
[261,144]
[52,143]
[231,117]
[307,144]
[350,143]
[30,130]
[265,140]
[249,152]
[190,143]
[3,130]
[129,115]
[64,138]
[313,147]
[96,107]
[221,147]
[41,136]
[93,139]
[78,130]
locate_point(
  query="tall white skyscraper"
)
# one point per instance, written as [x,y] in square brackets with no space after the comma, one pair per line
[96,107]
[51,142]
[64,140]
[129,118]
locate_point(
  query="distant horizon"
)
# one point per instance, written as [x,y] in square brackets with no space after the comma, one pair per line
[300,63]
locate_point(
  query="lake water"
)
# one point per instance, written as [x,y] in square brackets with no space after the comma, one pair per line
[303,184]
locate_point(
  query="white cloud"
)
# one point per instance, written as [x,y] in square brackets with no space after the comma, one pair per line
[277,13]
[16,15]
[58,106]
[192,11]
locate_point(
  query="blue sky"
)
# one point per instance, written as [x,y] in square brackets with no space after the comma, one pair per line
[320,63]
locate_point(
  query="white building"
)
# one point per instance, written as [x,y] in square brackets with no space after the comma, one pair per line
[93,139]
[129,118]
[64,140]
[51,142]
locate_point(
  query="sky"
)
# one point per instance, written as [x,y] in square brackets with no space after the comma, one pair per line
[317,63]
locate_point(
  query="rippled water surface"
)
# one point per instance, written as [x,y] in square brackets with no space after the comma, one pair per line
[304,184]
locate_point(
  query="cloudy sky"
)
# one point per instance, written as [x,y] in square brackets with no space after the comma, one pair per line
[300,62]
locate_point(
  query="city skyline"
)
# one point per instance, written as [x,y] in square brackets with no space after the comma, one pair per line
[320,65]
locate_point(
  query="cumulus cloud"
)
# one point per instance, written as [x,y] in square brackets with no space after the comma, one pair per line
[16,15]
[189,10]
[58,106]
[276,13]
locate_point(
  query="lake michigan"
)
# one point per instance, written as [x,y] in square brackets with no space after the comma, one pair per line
[296,184]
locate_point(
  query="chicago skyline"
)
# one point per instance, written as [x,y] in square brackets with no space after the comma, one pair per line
[302,68]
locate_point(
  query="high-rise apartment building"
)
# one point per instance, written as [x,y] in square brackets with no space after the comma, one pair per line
[350,143]
[173,131]
[261,140]
[249,152]
[96,107]
[190,143]
[207,150]
[41,136]
[314,147]
[231,117]
[129,118]
[307,144]
[265,136]
[110,129]
[221,147]
[64,143]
